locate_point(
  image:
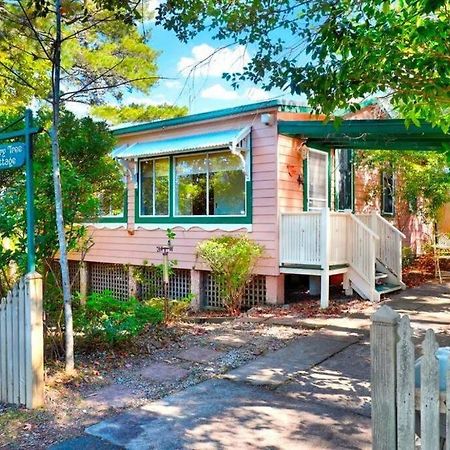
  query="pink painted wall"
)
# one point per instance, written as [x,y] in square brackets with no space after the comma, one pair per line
[134,245]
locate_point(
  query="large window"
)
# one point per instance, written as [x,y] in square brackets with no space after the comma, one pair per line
[211,184]
[344,179]
[154,187]
[388,193]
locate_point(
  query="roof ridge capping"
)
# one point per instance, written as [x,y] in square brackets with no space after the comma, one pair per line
[283,104]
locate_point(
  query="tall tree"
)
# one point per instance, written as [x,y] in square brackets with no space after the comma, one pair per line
[137,112]
[334,52]
[86,50]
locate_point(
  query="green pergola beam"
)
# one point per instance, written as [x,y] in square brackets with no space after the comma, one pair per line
[367,134]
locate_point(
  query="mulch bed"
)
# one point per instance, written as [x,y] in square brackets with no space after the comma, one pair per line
[422,270]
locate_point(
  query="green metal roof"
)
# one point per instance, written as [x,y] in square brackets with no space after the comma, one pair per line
[216,140]
[390,134]
[210,115]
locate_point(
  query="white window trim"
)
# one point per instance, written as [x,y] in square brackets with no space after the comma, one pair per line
[327,200]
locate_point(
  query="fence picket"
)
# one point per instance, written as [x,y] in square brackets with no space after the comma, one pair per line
[2,349]
[429,394]
[405,387]
[447,407]
[21,343]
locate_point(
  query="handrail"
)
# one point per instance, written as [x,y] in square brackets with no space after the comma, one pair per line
[364,226]
[389,224]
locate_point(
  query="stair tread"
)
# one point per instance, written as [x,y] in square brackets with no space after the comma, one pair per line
[379,275]
[387,287]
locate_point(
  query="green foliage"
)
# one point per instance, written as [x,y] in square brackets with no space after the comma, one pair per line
[137,113]
[423,180]
[177,309]
[108,321]
[232,260]
[88,171]
[334,52]
[103,51]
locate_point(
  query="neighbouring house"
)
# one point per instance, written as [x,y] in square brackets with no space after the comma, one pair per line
[269,169]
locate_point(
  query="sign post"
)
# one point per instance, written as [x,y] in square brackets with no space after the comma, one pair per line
[14,155]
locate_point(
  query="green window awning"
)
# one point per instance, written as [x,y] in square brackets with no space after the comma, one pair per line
[231,139]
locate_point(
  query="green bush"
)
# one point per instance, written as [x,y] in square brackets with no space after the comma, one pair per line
[232,260]
[177,308]
[106,320]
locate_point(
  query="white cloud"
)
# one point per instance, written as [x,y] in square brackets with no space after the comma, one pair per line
[79,109]
[208,61]
[172,84]
[256,94]
[218,92]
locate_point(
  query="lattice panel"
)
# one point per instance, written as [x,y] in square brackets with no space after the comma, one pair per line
[74,274]
[179,284]
[255,292]
[111,277]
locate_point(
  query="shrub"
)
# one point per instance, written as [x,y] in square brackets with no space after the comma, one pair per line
[106,320]
[232,260]
[177,309]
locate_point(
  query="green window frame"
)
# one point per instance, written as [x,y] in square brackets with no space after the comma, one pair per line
[119,218]
[154,189]
[344,180]
[172,218]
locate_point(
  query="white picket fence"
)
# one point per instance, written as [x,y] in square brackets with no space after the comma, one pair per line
[399,408]
[21,344]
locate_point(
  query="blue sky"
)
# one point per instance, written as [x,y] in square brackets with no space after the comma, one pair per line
[199,87]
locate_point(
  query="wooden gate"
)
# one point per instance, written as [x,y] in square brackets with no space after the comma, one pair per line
[403,404]
[21,344]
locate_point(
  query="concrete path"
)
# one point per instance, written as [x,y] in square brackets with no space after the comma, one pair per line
[313,394]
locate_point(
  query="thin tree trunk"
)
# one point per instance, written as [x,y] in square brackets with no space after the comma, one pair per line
[67,296]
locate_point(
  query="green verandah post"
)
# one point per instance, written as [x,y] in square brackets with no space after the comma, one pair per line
[31,253]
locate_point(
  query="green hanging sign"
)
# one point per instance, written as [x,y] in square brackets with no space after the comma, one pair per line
[12,156]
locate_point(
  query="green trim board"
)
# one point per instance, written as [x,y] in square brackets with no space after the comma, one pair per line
[211,115]
[367,134]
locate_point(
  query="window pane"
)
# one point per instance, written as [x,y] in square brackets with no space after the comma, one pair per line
[147,188]
[190,185]
[388,193]
[161,187]
[226,185]
[344,178]
[111,203]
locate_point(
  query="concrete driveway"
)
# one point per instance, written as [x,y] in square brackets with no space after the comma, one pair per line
[312,394]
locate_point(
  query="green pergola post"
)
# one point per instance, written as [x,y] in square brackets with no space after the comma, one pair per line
[31,254]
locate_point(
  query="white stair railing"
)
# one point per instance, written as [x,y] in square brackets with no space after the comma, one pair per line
[389,247]
[362,250]
[300,238]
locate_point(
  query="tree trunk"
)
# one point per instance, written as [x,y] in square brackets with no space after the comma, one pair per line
[67,296]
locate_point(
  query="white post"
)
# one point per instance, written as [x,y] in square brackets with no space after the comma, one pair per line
[325,257]
[34,341]
[383,352]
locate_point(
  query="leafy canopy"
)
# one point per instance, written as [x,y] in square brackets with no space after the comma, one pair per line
[88,171]
[137,112]
[334,52]
[102,51]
